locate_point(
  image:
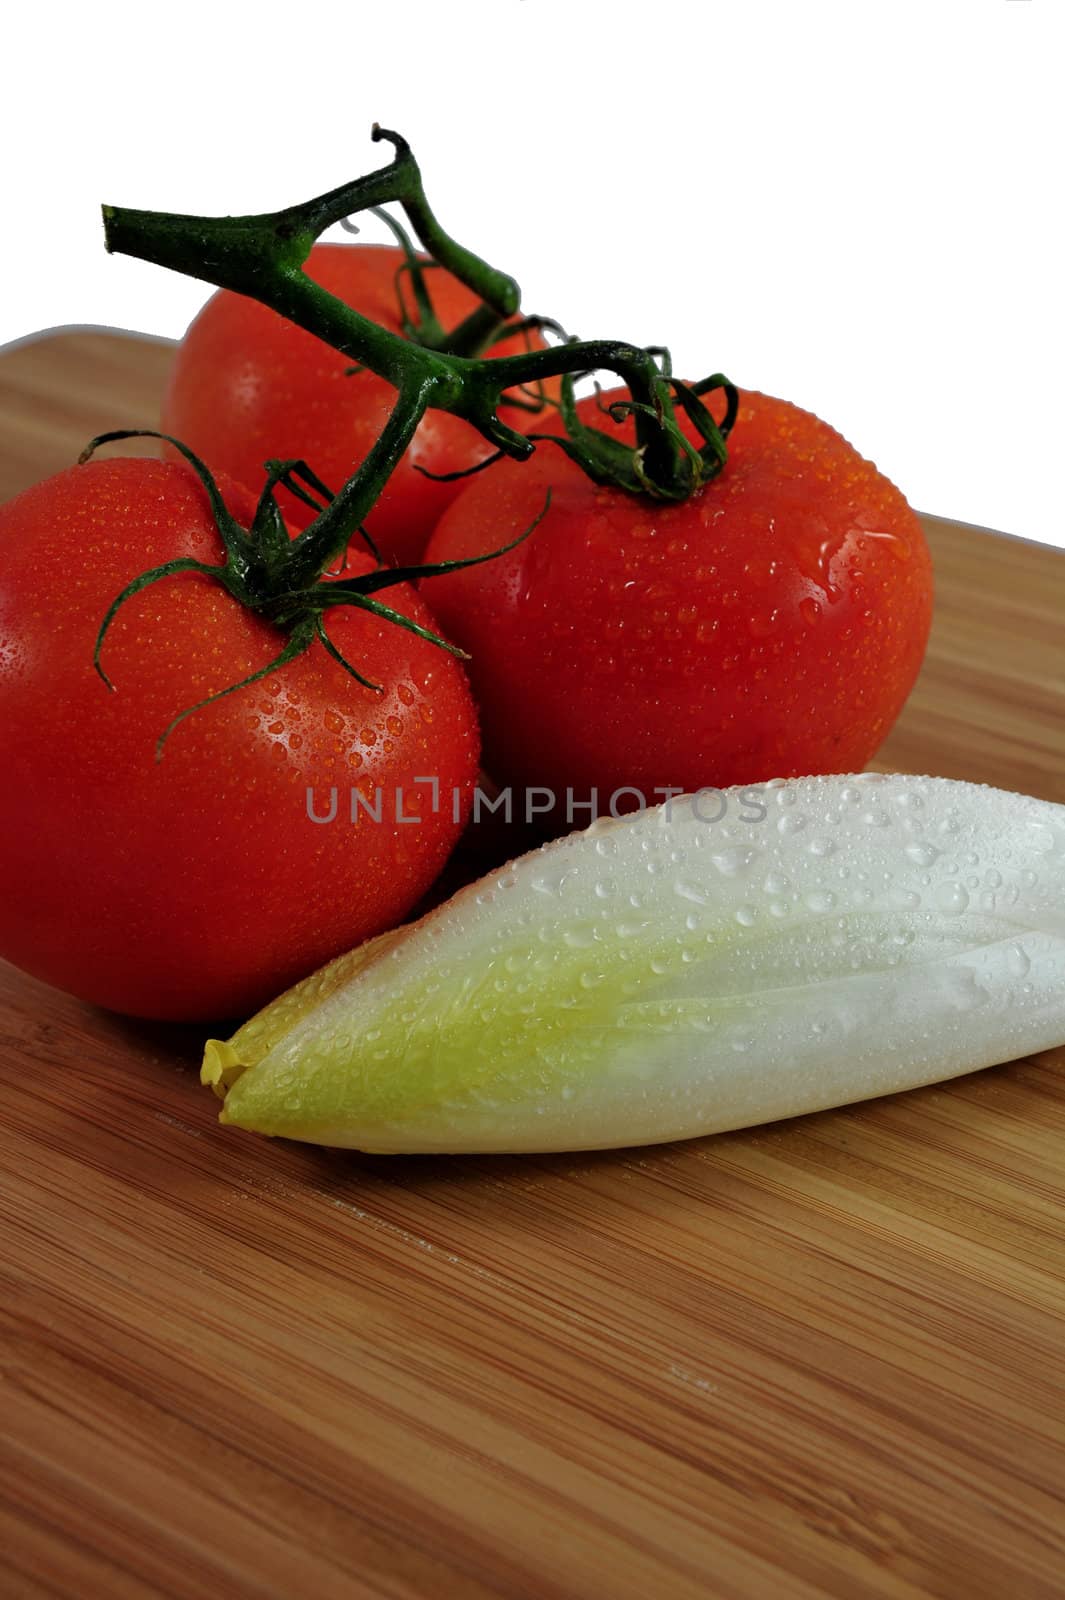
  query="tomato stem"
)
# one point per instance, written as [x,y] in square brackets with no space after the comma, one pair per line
[263,256]
[281,579]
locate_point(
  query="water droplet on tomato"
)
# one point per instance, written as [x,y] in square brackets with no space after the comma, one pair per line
[896,544]
[762,623]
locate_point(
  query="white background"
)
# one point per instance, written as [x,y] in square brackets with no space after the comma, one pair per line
[853,203]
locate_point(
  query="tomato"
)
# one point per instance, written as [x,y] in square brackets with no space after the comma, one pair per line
[248,386]
[770,626]
[198,885]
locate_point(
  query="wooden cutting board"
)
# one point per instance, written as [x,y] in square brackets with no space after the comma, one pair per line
[822,1358]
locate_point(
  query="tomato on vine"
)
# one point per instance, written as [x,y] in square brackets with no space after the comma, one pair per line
[724,590]
[199,884]
[770,625]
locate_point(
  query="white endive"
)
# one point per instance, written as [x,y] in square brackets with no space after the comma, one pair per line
[721,960]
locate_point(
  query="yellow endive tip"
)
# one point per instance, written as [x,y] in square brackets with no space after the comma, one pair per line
[222,1066]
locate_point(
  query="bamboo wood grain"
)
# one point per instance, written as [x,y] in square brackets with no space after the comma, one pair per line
[822,1358]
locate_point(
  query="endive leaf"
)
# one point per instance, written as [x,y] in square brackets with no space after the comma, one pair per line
[719,961]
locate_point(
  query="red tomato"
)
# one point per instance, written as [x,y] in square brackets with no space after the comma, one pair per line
[198,885]
[770,626]
[248,386]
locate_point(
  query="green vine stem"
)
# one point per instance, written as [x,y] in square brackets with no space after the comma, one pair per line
[263,257]
[284,579]
[259,572]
